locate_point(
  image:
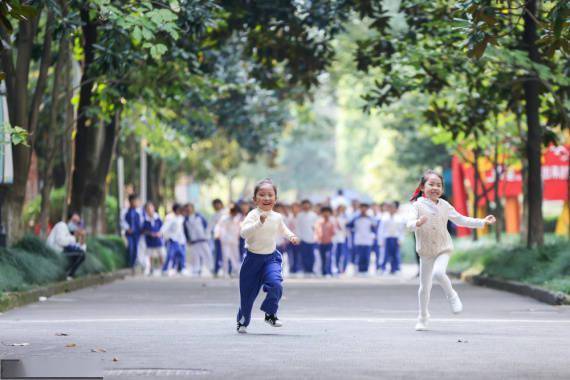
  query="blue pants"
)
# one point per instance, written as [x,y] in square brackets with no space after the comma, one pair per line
[259,271]
[363,255]
[325,251]
[376,250]
[391,254]
[241,248]
[295,263]
[341,254]
[217,255]
[133,245]
[175,256]
[307,252]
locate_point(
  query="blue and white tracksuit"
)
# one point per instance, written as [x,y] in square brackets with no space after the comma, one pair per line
[364,229]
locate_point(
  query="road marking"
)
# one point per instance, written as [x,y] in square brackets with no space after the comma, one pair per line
[292,319]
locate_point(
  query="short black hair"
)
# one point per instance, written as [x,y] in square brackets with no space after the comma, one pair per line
[133,196]
[176,207]
[364,204]
[326,208]
[306,201]
[217,201]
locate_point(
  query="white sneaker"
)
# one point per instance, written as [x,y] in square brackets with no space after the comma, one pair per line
[455,303]
[242,329]
[421,325]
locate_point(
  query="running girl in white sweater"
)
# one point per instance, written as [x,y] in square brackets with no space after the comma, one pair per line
[433,242]
[261,266]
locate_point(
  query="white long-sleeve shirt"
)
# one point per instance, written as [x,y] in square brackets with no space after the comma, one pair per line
[173,228]
[261,238]
[432,238]
[391,226]
[227,229]
[305,222]
[364,228]
[60,237]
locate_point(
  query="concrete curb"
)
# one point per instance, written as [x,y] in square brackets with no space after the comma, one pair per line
[536,292]
[16,299]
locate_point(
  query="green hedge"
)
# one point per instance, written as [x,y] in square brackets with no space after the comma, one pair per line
[547,266]
[31,262]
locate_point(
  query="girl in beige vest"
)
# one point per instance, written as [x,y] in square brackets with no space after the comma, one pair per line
[433,242]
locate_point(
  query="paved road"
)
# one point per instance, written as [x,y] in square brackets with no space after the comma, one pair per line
[358,328]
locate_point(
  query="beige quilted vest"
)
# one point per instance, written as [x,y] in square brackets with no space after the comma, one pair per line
[432,238]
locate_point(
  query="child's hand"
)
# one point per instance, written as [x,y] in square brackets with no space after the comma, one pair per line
[421,221]
[490,219]
[295,240]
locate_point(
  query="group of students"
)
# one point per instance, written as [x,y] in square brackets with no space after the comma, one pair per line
[264,228]
[331,241]
[343,239]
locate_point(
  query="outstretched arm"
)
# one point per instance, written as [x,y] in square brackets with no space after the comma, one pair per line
[465,221]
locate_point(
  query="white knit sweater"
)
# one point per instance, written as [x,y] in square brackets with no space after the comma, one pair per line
[261,238]
[432,238]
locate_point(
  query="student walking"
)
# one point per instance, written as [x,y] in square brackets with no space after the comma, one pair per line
[391,236]
[133,225]
[195,229]
[325,229]
[227,232]
[364,229]
[152,225]
[306,220]
[173,233]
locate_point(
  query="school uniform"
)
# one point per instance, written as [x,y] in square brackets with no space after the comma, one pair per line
[173,232]
[324,233]
[217,244]
[133,224]
[391,235]
[195,228]
[293,251]
[154,244]
[305,230]
[340,241]
[261,268]
[227,232]
[364,229]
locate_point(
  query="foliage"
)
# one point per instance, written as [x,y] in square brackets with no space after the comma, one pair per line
[31,263]
[547,266]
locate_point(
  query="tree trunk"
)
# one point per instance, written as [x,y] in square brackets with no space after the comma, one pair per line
[475,190]
[534,138]
[85,139]
[96,186]
[53,133]
[17,92]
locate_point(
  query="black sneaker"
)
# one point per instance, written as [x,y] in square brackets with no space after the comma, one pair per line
[242,329]
[272,320]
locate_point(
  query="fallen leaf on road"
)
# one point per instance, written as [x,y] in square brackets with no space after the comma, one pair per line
[115,359]
[71,345]
[462,340]
[16,344]
[61,334]
[98,350]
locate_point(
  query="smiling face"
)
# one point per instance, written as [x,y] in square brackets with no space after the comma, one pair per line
[265,197]
[433,187]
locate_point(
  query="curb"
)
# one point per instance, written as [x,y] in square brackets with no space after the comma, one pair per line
[17,299]
[538,293]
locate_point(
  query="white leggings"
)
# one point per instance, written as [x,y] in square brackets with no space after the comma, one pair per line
[230,254]
[433,269]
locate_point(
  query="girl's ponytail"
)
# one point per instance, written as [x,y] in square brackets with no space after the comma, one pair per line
[418,193]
